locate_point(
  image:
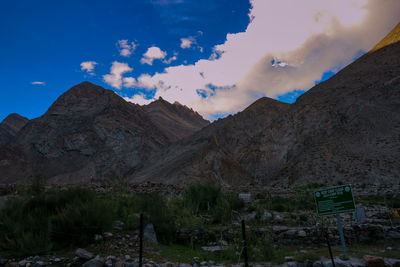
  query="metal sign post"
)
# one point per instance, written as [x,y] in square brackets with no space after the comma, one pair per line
[336,200]
[329,247]
[141,240]
[341,234]
[245,253]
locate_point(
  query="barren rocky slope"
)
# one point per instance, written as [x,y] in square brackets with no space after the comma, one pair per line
[213,153]
[175,120]
[343,130]
[88,134]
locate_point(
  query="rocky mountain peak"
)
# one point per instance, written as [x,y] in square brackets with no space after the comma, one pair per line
[14,122]
[10,126]
[177,120]
[85,99]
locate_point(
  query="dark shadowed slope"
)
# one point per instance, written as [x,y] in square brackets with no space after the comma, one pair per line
[214,153]
[175,120]
[90,134]
[10,126]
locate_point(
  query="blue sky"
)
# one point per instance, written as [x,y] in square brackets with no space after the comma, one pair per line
[46,41]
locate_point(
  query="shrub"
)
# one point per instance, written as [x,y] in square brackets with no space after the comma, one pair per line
[201,197]
[36,224]
[207,199]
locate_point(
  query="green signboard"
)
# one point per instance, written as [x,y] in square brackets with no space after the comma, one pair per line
[334,200]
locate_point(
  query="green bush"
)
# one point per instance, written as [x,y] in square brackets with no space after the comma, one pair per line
[39,222]
[201,197]
[207,199]
[155,209]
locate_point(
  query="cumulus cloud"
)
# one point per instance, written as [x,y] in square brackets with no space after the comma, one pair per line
[115,78]
[88,66]
[187,42]
[152,54]
[287,45]
[129,82]
[125,48]
[138,99]
[38,83]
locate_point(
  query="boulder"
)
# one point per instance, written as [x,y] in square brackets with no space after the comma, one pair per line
[149,234]
[393,235]
[374,261]
[393,262]
[83,254]
[213,248]
[96,262]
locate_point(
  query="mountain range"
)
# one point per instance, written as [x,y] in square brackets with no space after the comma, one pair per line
[343,130]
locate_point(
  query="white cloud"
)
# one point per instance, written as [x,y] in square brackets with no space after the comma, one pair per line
[169,61]
[125,48]
[88,66]
[152,54]
[38,83]
[138,99]
[307,37]
[115,78]
[129,82]
[187,42]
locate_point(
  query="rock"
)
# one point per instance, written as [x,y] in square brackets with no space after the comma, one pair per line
[128,257]
[3,262]
[83,254]
[266,216]
[393,235]
[301,233]
[279,228]
[291,233]
[98,238]
[278,218]
[245,197]
[203,263]
[149,234]
[338,263]
[289,258]
[96,262]
[118,225]
[251,216]
[374,261]
[213,248]
[132,264]
[356,262]
[393,262]
[223,243]
[108,235]
[22,263]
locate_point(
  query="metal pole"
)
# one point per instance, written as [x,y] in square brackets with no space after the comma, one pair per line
[329,247]
[245,255]
[341,234]
[141,241]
